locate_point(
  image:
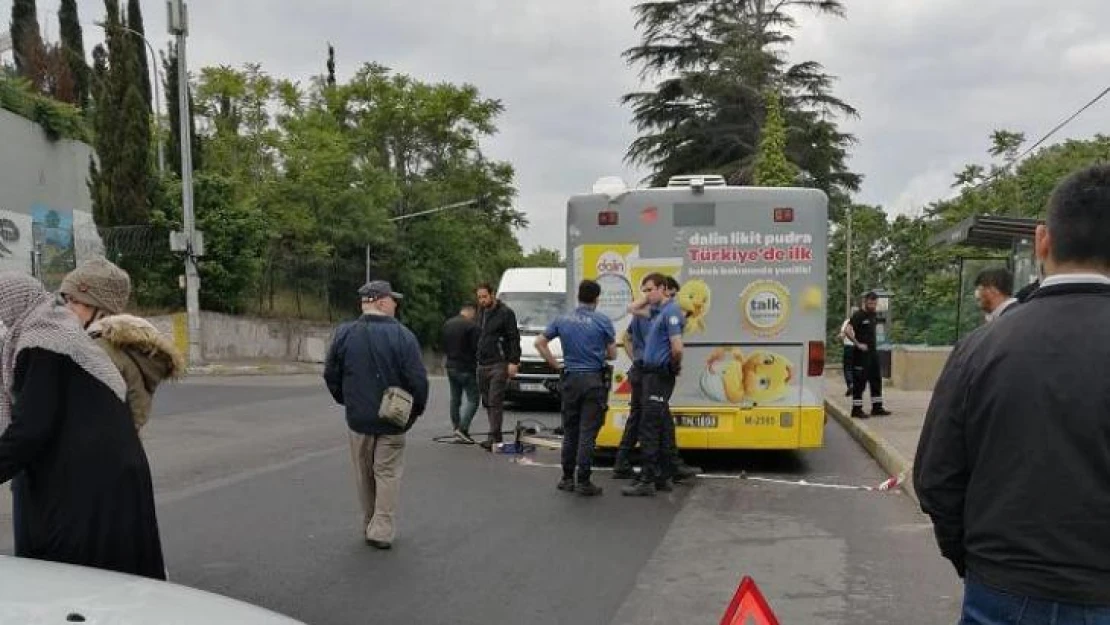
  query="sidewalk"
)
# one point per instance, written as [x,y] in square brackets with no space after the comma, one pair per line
[892,440]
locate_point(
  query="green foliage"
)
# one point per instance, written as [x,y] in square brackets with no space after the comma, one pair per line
[122,182]
[717,58]
[543,257]
[57,119]
[772,168]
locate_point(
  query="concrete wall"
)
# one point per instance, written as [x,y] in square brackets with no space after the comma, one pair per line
[227,338]
[45,206]
[916,367]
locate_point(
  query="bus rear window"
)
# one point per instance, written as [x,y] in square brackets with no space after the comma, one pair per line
[698,215]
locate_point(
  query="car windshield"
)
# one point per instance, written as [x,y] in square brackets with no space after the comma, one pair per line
[534,310]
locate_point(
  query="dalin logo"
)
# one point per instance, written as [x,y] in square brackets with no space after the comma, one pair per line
[610,262]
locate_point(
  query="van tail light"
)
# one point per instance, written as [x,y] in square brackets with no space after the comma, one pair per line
[784,215]
[816,359]
[608,218]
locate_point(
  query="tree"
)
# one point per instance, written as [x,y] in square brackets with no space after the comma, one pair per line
[136,36]
[73,50]
[123,131]
[543,257]
[772,168]
[26,40]
[716,59]
[331,66]
[171,88]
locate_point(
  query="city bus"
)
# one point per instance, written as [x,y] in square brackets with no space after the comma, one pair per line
[751,262]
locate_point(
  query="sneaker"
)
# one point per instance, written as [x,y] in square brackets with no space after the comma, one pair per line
[463,437]
[588,489]
[858,413]
[639,489]
[566,484]
[880,412]
[486,445]
[379,544]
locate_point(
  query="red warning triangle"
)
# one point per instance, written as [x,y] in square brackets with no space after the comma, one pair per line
[748,607]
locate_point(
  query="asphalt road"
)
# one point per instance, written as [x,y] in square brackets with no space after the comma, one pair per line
[257,502]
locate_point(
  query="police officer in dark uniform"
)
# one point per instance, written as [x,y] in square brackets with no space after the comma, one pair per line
[662,363]
[633,342]
[589,340]
[861,331]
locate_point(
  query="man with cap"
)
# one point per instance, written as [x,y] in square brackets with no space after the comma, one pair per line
[367,357]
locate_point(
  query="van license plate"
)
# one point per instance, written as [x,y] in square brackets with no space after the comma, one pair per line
[705,421]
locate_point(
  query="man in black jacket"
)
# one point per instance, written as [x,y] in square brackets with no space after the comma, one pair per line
[1013,464]
[368,356]
[460,345]
[498,358]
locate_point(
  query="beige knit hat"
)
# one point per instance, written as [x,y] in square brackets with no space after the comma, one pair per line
[100,284]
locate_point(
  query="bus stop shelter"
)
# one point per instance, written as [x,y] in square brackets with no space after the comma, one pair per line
[1004,241]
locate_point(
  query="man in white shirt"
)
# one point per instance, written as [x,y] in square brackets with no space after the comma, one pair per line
[994,290]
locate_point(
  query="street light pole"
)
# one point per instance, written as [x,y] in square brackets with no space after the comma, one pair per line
[179,26]
[417,214]
[157,85]
[848,269]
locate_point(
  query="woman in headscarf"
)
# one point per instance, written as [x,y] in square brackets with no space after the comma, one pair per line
[97,292]
[86,496]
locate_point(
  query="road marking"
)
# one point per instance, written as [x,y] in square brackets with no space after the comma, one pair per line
[236,478]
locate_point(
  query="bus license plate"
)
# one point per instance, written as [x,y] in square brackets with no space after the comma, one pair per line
[704,421]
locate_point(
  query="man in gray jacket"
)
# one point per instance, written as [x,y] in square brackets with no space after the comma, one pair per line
[1013,463]
[368,356]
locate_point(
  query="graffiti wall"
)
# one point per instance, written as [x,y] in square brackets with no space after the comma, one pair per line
[46,224]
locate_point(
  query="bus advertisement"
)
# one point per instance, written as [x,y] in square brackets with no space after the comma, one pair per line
[752,266]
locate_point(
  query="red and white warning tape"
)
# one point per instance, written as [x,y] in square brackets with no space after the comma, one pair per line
[889,484]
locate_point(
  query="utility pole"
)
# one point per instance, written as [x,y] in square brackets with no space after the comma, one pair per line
[191,242]
[848,269]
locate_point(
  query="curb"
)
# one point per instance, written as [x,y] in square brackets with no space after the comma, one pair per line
[266,369]
[889,458]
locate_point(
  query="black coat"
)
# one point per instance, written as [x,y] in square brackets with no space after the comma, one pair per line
[86,496]
[1013,464]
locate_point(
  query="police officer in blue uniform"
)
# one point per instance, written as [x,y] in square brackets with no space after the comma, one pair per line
[662,362]
[589,340]
[634,346]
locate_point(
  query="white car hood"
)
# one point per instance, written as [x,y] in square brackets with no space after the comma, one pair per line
[36,591]
[528,349]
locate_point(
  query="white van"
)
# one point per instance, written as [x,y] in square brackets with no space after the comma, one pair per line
[537,295]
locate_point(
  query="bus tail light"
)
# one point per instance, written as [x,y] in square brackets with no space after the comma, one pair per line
[816,359]
[608,218]
[784,215]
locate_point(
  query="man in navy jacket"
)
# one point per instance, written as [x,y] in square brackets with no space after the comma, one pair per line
[367,356]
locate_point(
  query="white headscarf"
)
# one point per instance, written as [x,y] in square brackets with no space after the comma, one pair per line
[34,319]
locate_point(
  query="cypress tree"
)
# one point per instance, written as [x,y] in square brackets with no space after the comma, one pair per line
[26,40]
[73,49]
[135,23]
[772,168]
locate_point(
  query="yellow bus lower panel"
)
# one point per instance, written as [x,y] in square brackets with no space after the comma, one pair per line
[777,427]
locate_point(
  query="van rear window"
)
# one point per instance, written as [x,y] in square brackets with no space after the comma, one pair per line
[695,215]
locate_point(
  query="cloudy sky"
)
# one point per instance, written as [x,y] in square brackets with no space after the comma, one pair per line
[931,78]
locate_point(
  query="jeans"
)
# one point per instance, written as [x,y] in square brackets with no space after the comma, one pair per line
[462,412]
[984,605]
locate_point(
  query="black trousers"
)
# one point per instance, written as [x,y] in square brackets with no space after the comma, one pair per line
[584,401]
[865,373]
[631,434]
[656,425]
